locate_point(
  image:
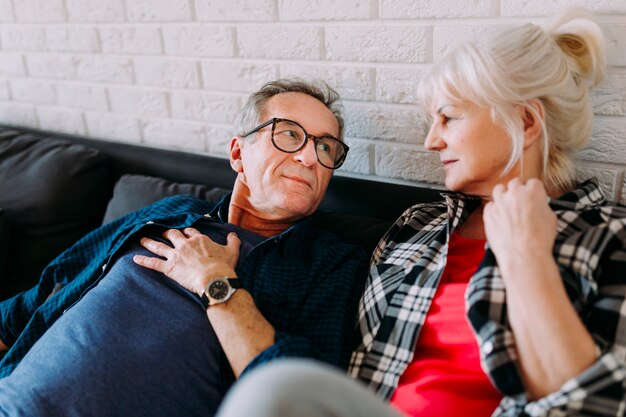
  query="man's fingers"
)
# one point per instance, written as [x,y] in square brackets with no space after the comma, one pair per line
[190,231]
[175,236]
[232,241]
[150,263]
[155,247]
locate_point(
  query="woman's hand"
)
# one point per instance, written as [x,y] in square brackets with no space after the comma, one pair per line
[193,259]
[518,222]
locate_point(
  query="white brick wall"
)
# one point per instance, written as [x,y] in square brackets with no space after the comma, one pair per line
[174,73]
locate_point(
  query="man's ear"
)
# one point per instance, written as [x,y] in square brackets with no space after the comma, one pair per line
[235,154]
[533,116]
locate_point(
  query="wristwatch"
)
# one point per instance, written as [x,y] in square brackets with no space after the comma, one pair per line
[219,290]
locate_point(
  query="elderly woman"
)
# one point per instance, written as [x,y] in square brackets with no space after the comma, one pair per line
[507,298]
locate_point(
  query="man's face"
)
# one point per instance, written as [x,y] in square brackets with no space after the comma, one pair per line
[285,186]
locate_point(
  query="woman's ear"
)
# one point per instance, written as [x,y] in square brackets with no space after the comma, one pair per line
[533,115]
[235,154]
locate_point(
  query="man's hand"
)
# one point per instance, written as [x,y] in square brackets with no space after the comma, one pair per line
[519,221]
[193,259]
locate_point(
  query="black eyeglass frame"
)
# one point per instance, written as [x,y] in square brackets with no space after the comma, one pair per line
[275,120]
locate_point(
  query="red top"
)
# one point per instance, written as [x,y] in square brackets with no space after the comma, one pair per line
[445,377]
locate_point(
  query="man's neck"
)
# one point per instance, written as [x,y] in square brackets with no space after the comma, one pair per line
[243,214]
[255,222]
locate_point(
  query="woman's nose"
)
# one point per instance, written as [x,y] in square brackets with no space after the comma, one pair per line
[434,141]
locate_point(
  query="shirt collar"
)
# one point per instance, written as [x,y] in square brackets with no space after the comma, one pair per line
[300,229]
[586,195]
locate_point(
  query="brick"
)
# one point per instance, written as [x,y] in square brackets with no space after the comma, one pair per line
[284,42]
[607,143]
[607,177]
[175,134]
[6,11]
[96,10]
[236,10]
[351,82]
[325,10]
[615,40]
[13,114]
[131,40]
[11,64]
[209,41]
[159,10]
[359,159]
[236,76]
[72,39]
[205,107]
[84,96]
[106,69]
[610,96]
[218,139]
[379,121]
[23,38]
[398,85]
[50,66]
[551,7]
[166,72]
[138,101]
[5,94]
[40,10]
[446,37]
[61,120]
[407,44]
[33,91]
[394,161]
[113,127]
[411,9]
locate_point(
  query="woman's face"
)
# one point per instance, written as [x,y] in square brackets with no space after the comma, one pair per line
[473,149]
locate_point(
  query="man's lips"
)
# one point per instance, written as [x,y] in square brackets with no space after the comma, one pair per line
[297,179]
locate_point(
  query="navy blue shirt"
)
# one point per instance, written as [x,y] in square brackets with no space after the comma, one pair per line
[306,283]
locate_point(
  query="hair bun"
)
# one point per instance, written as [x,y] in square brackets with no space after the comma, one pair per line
[580,38]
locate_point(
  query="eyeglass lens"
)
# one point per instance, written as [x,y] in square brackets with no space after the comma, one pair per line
[289,137]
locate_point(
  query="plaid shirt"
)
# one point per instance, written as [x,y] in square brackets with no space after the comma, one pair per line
[406,269]
[305,281]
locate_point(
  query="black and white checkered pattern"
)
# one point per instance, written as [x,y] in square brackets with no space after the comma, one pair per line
[407,265]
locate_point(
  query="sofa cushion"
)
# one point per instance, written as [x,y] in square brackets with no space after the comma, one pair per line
[133,192]
[52,193]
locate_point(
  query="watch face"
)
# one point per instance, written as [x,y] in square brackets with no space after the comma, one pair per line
[218,290]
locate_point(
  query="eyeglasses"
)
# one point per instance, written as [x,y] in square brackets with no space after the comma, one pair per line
[288,136]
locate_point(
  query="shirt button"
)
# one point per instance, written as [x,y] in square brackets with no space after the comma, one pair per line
[150,222]
[104,267]
[64,311]
[208,216]
[488,347]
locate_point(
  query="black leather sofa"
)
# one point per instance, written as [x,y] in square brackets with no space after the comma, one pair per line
[55,188]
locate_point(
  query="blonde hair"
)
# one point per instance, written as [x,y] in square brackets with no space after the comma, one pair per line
[506,68]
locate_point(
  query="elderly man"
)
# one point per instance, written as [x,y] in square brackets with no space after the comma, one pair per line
[159,312]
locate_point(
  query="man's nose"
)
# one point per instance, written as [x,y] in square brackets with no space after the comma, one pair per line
[307,156]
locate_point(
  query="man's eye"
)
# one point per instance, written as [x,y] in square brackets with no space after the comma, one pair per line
[324,147]
[288,133]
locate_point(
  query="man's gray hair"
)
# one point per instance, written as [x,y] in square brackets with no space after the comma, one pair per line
[250,116]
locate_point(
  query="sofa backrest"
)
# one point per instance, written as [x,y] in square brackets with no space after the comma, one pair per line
[55,188]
